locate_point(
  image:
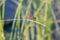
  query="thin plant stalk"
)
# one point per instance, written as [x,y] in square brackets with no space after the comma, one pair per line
[27,13]
[32,30]
[18,22]
[37,19]
[2,22]
[1,28]
[15,17]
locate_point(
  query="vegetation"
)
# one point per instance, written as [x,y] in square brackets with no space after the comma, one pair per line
[43,20]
